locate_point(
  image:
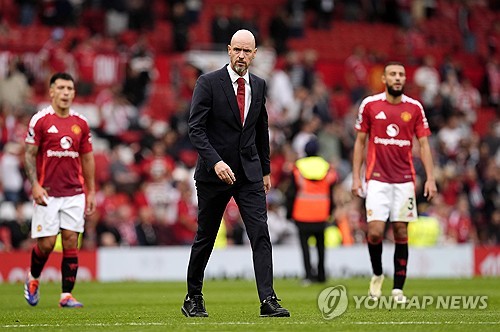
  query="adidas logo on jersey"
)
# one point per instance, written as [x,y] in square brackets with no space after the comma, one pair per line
[380,116]
[53,130]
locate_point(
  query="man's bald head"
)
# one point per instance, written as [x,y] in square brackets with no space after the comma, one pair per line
[242,51]
[243,36]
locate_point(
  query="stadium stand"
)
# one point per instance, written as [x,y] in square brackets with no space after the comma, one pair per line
[468,49]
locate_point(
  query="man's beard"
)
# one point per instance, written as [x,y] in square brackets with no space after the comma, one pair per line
[394,93]
[240,68]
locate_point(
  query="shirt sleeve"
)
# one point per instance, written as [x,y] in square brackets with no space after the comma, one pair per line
[34,134]
[86,142]
[421,124]
[363,121]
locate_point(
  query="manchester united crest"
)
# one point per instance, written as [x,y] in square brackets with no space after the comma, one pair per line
[76,129]
[406,116]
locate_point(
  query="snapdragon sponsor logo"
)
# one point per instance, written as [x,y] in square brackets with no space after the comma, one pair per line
[391,141]
[333,302]
[61,154]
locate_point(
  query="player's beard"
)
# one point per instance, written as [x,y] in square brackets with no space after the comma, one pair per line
[394,93]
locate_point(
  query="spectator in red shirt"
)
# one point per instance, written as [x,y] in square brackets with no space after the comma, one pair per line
[157,161]
[54,56]
[459,228]
[84,55]
[356,73]
[185,227]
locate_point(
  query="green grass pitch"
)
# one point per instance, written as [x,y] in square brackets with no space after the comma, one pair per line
[233,306]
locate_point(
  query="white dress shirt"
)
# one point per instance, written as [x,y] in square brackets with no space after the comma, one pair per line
[248,92]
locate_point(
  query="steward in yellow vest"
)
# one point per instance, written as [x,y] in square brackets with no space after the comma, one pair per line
[310,205]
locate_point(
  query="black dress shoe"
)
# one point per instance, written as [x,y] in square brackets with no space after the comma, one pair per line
[271,308]
[194,306]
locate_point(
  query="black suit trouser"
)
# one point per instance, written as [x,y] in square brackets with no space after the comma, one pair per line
[212,201]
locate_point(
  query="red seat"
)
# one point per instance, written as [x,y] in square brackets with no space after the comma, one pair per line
[161,103]
[102,161]
[485,117]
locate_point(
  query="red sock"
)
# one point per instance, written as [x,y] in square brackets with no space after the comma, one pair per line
[69,268]
[38,260]
[400,262]
[375,250]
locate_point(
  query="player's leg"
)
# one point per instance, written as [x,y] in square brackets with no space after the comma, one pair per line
[400,230]
[374,239]
[44,228]
[378,202]
[403,211]
[40,254]
[69,268]
[72,223]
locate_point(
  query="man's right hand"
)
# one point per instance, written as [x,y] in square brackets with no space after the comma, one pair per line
[224,172]
[40,195]
[357,188]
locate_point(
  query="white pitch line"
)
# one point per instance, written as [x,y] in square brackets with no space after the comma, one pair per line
[204,322]
[84,325]
[422,323]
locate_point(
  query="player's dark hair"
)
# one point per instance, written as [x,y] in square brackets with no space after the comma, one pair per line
[393,63]
[62,76]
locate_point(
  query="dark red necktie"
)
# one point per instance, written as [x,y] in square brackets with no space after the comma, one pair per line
[240,97]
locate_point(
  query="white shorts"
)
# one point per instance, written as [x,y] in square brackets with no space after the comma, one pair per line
[390,201]
[60,213]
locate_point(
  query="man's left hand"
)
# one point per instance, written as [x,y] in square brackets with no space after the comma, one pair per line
[91,203]
[430,189]
[267,183]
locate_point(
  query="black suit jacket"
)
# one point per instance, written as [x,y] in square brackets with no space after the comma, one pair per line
[216,131]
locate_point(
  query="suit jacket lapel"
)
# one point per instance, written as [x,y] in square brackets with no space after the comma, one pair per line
[227,86]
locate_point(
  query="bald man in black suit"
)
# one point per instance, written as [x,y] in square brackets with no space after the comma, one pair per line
[228,125]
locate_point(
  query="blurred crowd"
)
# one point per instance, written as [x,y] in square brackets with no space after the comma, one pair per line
[144,166]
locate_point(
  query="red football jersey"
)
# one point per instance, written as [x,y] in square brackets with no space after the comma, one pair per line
[61,142]
[85,57]
[391,129]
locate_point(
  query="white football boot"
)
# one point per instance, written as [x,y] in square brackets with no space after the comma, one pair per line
[375,290]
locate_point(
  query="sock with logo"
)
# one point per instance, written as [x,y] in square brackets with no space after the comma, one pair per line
[69,268]
[38,260]
[375,250]
[400,262]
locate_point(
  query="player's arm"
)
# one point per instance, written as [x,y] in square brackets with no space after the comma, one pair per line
[88,170]
[39,194]
[357,162]
[430,188]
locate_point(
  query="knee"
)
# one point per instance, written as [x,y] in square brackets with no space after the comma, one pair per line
[401,237]
[70,241]
[401,233]
[374,237]
[46,245]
